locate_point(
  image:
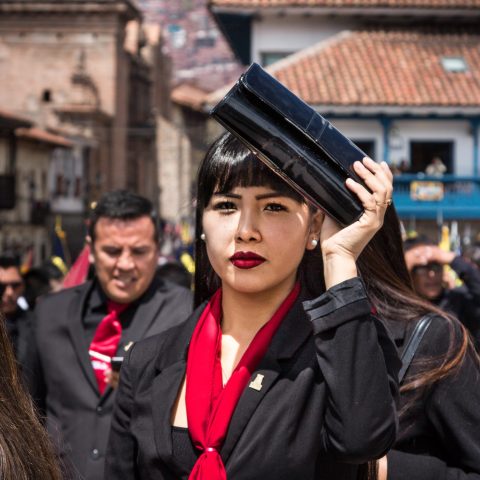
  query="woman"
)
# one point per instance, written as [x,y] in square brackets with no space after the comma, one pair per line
[265,380]
[25,451]
[439,435]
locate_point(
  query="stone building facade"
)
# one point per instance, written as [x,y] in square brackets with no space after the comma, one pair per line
[75,69]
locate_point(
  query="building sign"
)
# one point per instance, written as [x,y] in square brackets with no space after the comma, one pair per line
[426,191]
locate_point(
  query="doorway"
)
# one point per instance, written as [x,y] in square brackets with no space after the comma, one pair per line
[423,152]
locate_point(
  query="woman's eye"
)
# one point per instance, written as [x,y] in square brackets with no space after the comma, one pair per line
[275,207]
[224,206]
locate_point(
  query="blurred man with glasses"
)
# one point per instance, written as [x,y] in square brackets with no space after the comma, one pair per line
[426,263]
[14,306]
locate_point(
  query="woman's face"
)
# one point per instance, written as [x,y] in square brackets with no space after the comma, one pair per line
[256,237]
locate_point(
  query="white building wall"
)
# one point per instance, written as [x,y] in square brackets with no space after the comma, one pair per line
[404,131]
[292,33]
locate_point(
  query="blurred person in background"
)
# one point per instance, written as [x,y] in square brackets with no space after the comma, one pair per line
[14,306]
[425,262]
[42,280]
[472,253]
[176,273]
[80,329]
[438,434]
[25,450]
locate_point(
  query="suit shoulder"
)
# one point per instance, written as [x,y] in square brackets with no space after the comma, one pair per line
[174,290]
[54,299]
[175,339]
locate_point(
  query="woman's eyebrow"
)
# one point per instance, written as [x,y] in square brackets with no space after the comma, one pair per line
[269,195]
[226,194]
[261,196]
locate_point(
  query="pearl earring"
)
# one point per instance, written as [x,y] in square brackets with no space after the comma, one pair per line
[202,237]
[314,243]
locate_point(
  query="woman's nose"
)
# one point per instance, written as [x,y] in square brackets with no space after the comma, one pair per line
[248,229]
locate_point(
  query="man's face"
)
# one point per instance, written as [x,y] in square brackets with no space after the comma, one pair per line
[125,255]
[12,285]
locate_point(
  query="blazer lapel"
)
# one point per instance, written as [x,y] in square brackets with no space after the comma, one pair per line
[77,335]
[164,393]
[170,366]
[292,333]
[145,315]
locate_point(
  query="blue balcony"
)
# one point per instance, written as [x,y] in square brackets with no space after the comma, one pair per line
[450,197]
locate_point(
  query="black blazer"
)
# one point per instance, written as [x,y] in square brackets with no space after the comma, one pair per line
[78,418]
[328,395]
[439,436]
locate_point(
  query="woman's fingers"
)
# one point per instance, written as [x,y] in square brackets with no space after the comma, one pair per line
[378,178]
[365,197]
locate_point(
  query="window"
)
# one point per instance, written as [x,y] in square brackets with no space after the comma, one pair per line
[454,64]
[423,152]
[47,96]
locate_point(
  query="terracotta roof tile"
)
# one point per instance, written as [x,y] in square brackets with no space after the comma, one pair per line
[13,120]
[393,68]
[43,136]
[188,95]
[263,4]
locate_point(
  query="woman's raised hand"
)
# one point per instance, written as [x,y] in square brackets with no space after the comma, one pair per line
[340,246]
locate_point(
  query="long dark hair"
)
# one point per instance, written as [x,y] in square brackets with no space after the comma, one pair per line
[228,163]
[25,450]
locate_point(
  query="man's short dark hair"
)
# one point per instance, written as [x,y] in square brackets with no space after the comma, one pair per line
[416,241]
[9,260]
[123,205]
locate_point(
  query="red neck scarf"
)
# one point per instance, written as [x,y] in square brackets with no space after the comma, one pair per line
[210,406]
[105,342]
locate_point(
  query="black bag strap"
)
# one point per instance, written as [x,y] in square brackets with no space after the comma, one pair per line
[413,342]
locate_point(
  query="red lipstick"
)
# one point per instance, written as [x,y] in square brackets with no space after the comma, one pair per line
[246,260]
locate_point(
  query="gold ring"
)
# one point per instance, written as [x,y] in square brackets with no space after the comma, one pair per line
[387,203]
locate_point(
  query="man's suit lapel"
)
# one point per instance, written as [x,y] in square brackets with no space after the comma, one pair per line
[144,316]
[77,334]
[292,333]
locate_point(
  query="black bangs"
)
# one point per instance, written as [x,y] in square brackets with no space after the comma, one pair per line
[230,164]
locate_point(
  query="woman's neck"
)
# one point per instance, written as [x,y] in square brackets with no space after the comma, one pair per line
[246,313]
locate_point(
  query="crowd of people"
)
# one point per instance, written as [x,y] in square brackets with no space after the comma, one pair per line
[304,349]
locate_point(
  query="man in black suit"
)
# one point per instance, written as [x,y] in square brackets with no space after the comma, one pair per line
[78,330]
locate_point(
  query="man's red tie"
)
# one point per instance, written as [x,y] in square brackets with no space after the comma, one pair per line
[105,342]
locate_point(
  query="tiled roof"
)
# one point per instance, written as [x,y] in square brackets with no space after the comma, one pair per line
[43,136]
[12,120]
[264,4]
[383,68]
[188,96]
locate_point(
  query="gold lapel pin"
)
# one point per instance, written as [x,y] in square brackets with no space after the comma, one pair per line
[127,346]
[257,383]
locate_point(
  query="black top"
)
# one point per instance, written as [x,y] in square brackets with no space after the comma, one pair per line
[328,396]
[464,301]
[19,326]
[439,436]
[184,453]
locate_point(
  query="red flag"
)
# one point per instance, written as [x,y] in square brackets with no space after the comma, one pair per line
[79,270]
